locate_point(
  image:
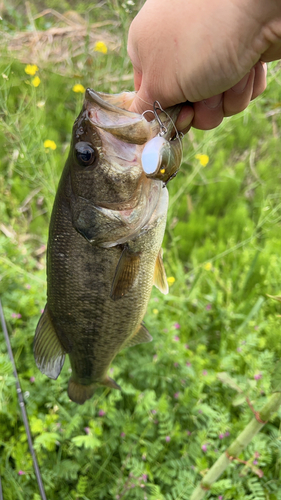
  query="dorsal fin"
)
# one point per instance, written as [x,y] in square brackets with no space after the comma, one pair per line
[159,277]
[48,352]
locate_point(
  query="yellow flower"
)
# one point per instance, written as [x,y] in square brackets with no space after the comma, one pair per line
[155,311]
[78,88]
[31,69]
[208,266]
[36,81]
[203,159]
[100,47]
[171,280]
[50,144]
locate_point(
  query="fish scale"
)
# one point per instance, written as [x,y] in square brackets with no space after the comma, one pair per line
[104,247]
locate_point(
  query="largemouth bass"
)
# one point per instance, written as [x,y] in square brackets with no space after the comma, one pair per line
[105,237]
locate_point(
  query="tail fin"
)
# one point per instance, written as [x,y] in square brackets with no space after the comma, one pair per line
[80,393]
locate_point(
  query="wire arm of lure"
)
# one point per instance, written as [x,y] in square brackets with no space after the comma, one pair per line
[157,107]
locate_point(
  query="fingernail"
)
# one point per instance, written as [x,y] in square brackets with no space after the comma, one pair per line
[185,118]
[213,102]
[264,66]
[240,86]
[184,123]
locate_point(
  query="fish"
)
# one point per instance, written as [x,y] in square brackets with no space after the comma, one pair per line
[105,236]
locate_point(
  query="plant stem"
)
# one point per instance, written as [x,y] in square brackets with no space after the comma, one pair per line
[237,446]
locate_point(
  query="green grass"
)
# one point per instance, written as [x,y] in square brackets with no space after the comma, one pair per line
[222,246]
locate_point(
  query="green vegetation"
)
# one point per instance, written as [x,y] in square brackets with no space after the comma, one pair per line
[216,334]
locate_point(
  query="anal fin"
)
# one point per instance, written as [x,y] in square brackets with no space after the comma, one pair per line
[140,337]
[48,352]
[126,273]
[159,277]
[109,382]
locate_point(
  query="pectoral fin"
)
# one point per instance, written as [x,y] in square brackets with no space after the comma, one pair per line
[48,352]
[125,274]
[159,277]
[140,337]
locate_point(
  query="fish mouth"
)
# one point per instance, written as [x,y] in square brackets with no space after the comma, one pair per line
[105,112]
[111,101]
[111,113]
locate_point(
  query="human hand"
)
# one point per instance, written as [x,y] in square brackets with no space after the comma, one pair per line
[207,52]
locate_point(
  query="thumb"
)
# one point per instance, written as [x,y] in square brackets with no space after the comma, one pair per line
[139,104]
[142,101]
[137,78]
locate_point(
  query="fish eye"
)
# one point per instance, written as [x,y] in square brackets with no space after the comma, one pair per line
[85,154]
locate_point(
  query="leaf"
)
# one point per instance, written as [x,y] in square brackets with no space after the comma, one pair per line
[276,378]
[238,400]
[73,424]
[68,470]
[37,425]
[228,380]
[47,440]
[274,297]
[89,441]
[221,486]
[82,485]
